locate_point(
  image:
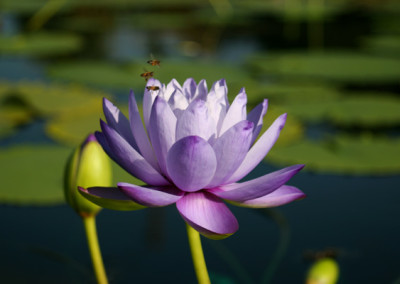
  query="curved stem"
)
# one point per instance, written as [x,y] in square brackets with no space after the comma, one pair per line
[197,255]
[94,249]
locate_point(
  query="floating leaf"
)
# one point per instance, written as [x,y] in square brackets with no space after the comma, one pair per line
[33,175]
[71,127]
[55,99]
[292,92]
[40,44]
[99,74]
[385,45]
[342,155]
[342,67]
[292,10]
[291,133]
[366,109]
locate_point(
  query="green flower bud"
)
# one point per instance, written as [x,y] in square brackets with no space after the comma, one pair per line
[87,166]
[323,271]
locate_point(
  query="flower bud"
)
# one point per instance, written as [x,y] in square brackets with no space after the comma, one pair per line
[323,271]
[88,166]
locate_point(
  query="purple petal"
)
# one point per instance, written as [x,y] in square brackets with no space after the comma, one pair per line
[140,134]
[230,149]
[117,120]
[283,195]
[217,102]
[201,90]
[258,187]
[236,112]
[162,131]
[189,89]
[195,120]
[110,198]
[260,149]
[151,196]
[207,214]
[129,159]
[256,116]
[178,103]
[148,100]
[172,86]
[191,163]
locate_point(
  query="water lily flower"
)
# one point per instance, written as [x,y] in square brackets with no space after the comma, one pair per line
[192,149]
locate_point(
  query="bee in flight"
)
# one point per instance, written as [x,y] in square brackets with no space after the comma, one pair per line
[153,61]
[152,88]
[147,75]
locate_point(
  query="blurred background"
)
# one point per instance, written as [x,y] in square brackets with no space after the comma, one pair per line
[332,65]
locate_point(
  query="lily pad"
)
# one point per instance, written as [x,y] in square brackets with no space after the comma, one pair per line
[40,44]
[363,155]
[98,74]
[291,133]
[292,10]
[385,45]
[55,99]
[283,92]
[33,175]
[70,127]
[366,109]
[128,77]
[344,67]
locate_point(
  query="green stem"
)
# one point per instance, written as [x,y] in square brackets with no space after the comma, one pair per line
[94,249]
[197,255]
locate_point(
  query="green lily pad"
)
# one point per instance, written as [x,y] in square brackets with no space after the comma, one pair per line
[385,45]
[344,67]
[33,175]
[291,92]
[291,133]
[366,109]
[55,99]
[98,74]
[292,10]
[70,127]
[40,44]
[109,75]
[342,155]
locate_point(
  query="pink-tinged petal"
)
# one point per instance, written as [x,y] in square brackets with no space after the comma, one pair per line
[258,187]
[283,195]
[151,196]
[140,134]
[191,163]
[162,131]
[189,88]
[207,214]
[236,112]
[260,149]
[201,90]
[178,103]
[256,116]
[110,198]
[148,100]
[230,150]
[195,120]
[129,159]
[117,120]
